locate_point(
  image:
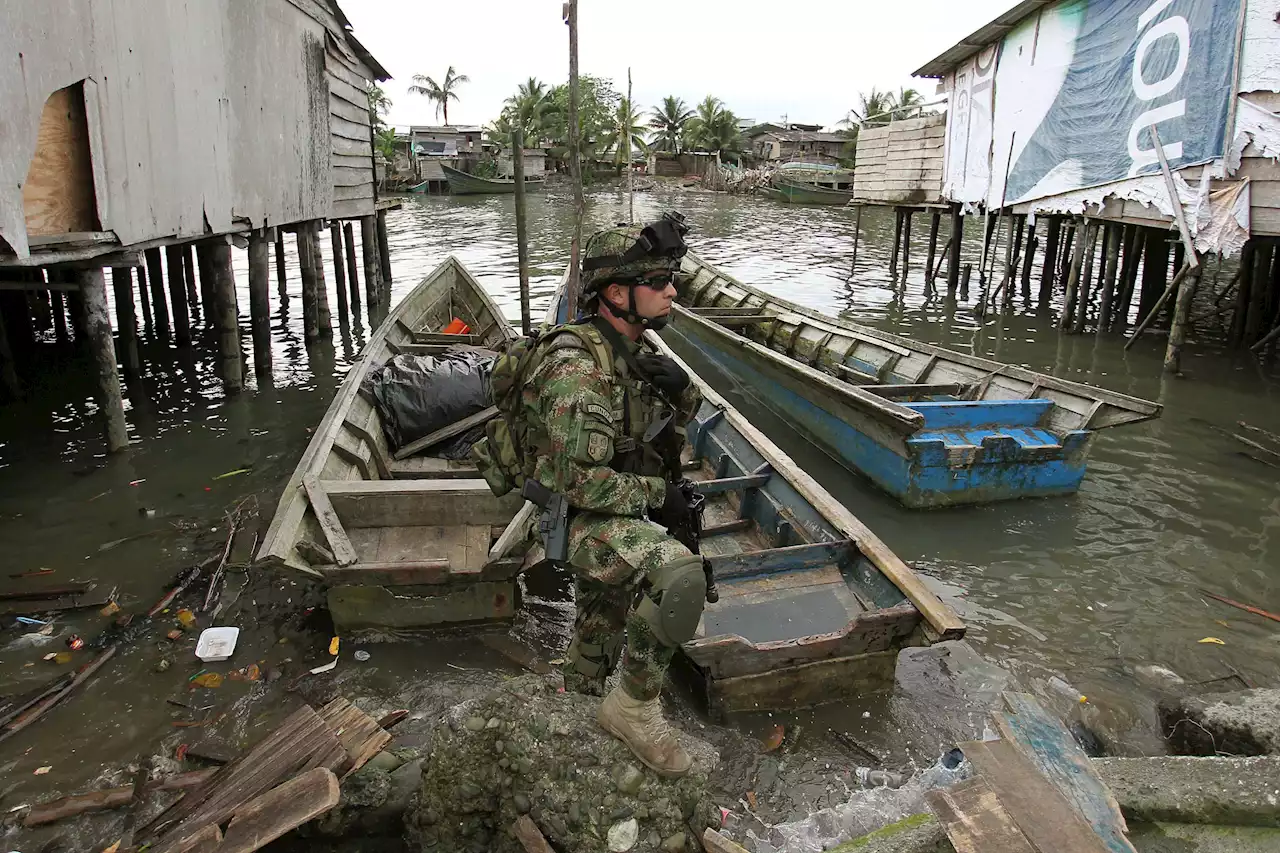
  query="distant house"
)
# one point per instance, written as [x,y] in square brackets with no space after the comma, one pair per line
[535,163]
[798,146]
[445,140]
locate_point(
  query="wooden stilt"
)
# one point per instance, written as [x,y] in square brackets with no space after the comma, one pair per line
[1073,276]
[953,263]
[906,242]
[1179,255]
[384,252]
[1155,272]
[1235,335]
[897,242]
[40,305]
[935,221]
[8,368]
[260,302]
[76,313]
[1012,256]
[857,233]
[1181,316]
[522,236]
[208,284]
[1085,284]
[339,270]
[189,275]
[1049,271]
[281,278]
[324,318]
[964,281]
[178,296]
[159,306]
[369,247]
[988,245]
[228,319]
[1029,257]
[58,309]
[1067,252]
[17,315]
[306,265]
[1133,249]
[144,297]
[1255,316]
[353,280]
[126,320]
[93,291]
[1110,269]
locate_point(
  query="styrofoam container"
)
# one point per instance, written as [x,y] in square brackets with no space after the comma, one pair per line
[216,644]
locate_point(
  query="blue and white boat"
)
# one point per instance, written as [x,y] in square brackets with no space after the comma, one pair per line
[930,426]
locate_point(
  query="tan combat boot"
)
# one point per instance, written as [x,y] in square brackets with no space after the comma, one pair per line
[641,726]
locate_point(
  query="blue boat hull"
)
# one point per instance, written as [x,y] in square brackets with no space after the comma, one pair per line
[964,453]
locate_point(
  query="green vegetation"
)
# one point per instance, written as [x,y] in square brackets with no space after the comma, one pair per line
[625,134]
[669,123]
[440,93]
[713,128]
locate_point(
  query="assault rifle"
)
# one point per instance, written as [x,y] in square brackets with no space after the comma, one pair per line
[553,524]
[688,532]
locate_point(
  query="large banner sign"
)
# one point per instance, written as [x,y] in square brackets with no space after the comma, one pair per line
[1079,85]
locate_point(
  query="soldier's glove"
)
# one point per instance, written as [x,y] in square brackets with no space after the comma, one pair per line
[674,509]
[667,376]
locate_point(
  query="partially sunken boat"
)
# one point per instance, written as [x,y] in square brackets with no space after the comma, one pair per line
[461,183]
[404,540]
[813,605]
[811,184]
[930,426]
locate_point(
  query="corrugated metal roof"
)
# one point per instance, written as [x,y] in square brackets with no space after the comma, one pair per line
[990,34]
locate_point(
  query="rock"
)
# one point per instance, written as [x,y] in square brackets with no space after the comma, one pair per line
[1202,838]
[622,836]
[1243,722]
[474,724]
[1185,789]
[462,802]
[673,843]
[387,762]
[917,834]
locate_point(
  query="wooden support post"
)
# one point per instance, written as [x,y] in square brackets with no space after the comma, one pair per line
[339,270]
[143,297]
[384,250]
[897,242]
[1013,255]
[1110,269]
[1086,277]
[1028,259]
[857,232]
[1073,276]
[1255,315]
[935,220]
[369,247]
[282,279]
[93,290]
[1068,252]
[178,296]
[40,306]
[1235,335]
[228,319]
[58,310]
[571,292]
[189,274]
[988,241]
[76,311]
[1133,243]
[964,281]
[126,320]
[1181,316]
[260,302]
[8,369]
[353,280]
[159,307]
[953,264]
[306,266]
[17,315]
[1155,270]
[906,242]
[522,238]
[1049,271]
[324,317]
[208,284]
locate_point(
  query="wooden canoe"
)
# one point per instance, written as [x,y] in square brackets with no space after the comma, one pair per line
[928,425]
[410,538]
[794,191]
[813,606]
[461,183]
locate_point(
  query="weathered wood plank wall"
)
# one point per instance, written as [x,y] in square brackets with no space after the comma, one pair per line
[235,113]
[901,162]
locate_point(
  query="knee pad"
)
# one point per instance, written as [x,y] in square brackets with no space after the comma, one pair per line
[672,604]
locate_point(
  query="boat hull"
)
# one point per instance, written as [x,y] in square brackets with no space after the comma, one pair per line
[931,427]
[461,183]
[798,192]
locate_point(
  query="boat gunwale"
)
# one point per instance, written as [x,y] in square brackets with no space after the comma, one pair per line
[450,172]
[1145,409]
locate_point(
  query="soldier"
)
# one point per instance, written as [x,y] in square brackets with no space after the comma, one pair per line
[603,422]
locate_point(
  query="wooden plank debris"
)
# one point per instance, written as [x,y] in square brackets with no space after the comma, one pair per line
[714,842]
[1045,817]
[454,429]
[205,840]
[38,710]
[975,820]
[529,836]
[283,808]
[391,573]
[358,733]
[1055,753]
[109,798]
[329,521]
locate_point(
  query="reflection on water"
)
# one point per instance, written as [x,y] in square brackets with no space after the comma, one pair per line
[1089,587]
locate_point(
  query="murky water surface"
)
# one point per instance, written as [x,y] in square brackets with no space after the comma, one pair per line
[1091,588]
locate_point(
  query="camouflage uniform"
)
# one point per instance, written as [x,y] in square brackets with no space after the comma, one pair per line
[587,436]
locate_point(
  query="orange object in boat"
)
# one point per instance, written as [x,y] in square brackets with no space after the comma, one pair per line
[457,327]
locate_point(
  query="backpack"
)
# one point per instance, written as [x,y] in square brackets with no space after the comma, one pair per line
[501,455]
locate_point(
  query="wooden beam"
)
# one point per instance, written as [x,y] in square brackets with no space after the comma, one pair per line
[975,820]
[529,836]
[954,389]
[454,429]
[730,484]
[283,808]
[375,452]
[515,532]
[1178,215]
[11,284]
[405,573]
[343,550]
[791,558]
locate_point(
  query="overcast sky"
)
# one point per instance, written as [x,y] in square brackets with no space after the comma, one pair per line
[764,60]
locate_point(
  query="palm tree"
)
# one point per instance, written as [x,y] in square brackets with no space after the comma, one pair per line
[625,133]
[379,103]
[669,123]
[441,93]
[713,127]
[905,101]
[531,109]
[876,109]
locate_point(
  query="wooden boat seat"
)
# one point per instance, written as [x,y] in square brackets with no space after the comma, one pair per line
[960,414]
[431,467]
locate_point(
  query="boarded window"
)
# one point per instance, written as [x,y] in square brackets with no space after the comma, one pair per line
[58,197]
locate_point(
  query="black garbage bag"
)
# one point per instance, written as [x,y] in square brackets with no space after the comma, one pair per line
[419,394]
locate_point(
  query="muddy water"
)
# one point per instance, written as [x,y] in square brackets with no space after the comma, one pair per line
[1090,588]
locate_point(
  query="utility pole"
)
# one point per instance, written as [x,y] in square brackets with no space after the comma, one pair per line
[570,12]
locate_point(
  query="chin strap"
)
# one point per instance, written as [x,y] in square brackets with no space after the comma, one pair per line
[629,313]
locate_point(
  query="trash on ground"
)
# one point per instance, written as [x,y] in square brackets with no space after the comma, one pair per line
[1213,640]
[217,644]
[110,610]
[774,738]
[333,646]
[75,642]
[227,474]
[324,668]
[40,771]
[207,679]
[186,618]
[361,655]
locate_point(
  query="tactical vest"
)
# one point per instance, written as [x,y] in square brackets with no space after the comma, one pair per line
[508,453]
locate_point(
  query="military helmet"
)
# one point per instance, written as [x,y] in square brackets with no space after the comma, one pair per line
[630,252]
